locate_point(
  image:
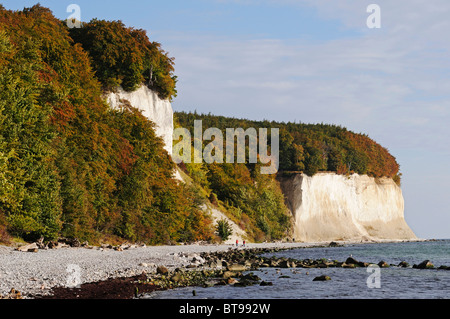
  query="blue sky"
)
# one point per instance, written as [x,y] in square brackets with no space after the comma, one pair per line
[315,61]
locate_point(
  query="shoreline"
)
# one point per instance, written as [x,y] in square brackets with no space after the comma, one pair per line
[108,273]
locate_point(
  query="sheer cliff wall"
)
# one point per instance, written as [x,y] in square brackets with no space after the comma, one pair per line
[329,207]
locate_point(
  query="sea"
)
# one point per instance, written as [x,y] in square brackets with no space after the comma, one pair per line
[359,283]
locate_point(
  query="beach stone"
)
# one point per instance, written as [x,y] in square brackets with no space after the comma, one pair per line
[383,264]
[273,263]
[237,267]
[162,270]
[228,274]
[29,247]
[40,243]
[403,264]
[322,278]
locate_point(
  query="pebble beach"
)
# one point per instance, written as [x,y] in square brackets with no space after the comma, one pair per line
[36,273]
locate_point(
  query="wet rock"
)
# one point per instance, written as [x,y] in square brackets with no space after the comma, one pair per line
[237,267]
[266,283]
[285,264]
[351,260]
[273,263]
[426,264]
[228,274]
[215,264]
[244,283]
[383,264]
[403,264]
[322,278]
[251,276]
[333,244]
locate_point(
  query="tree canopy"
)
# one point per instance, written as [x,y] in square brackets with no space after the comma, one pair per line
[69,164]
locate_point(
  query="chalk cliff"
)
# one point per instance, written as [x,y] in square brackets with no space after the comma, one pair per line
[157,110]
[330,207]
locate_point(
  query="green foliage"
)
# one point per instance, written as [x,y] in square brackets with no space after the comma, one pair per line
[29,193]
[253,200]
[224,229]
[125,56]
[312,148]
[71,166]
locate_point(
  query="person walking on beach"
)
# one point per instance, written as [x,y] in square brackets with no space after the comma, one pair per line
[243,243]
[237,242]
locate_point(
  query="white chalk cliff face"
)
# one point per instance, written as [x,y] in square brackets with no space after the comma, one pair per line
[330,207]
[155,109]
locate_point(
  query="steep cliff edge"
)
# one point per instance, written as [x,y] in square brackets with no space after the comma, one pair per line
[328,206]
[155,109]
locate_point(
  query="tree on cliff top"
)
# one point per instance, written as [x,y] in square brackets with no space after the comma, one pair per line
[125,56]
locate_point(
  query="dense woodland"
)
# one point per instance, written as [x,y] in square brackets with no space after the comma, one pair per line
[71,166]
[311,148]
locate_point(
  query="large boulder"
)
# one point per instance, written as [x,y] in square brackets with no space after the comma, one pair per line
[426,264]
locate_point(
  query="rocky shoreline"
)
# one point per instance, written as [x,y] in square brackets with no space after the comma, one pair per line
[36,270]
[157,268]
[221,266]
